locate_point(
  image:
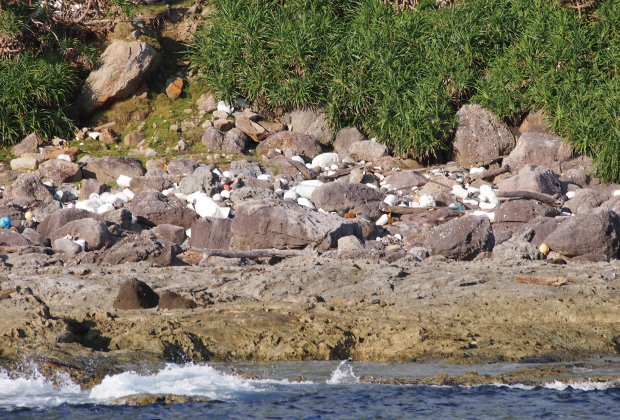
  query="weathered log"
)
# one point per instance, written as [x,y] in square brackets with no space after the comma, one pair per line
[530,195]
[257,253]
[339,173]
[544,281]
[406,210]
[491,173]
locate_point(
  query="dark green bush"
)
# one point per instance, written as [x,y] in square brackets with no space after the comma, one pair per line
[400,77]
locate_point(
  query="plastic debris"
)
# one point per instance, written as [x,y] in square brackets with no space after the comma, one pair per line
[123,181]
[5,222]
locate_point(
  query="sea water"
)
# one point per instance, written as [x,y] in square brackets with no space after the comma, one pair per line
[329,390]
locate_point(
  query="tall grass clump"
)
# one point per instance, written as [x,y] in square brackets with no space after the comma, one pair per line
[401,76]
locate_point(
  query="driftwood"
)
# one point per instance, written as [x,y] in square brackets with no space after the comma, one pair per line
[545,281]
[339,173]
[257,253]
[491,173]
[530,195]
[406,210]
[483,161]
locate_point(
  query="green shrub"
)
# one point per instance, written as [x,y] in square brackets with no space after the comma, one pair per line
[400,77]
[33,97]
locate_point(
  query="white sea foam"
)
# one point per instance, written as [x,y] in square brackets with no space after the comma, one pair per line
[583,386]
[343,374]
[36,391]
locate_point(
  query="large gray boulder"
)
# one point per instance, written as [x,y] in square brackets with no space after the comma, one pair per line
[94,232]
[208,233]
[235,141]
[149,183]
[28,187]
[303,144]
[109,168]
[144,247]
[523,211]
[596,231]
[213,138]
[406,179]
[30,144]
[61,217]
[182,167]
[480,135]
[533,178]
[153,208]
[122,67]
[350,197]
[251,193]
[539,228]
[461,239]
[585,200]
[8,237]
[290,167]
[367,150]
[59,171]
[540,149]
[201,180]
[309,122]
[261,224]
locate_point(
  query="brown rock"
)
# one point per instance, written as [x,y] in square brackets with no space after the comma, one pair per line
[533,178]
[90,186]
[8,237]
[182,167]
[279,224]
[596,231]
[62,217]
[406,179]
[345,138]
[309,122]
[480,135]
[93,231]
[304,145]
[51,152]
[253,130]
[60,171]
[173,233]
[523,211]
[206,102]
[153,208]
[223,125]
[133,139]
[355,198]
[30,144]
[108,136]
[170,300]
[367,150]
[28,186]
[213,138]
[575,176]
[541,227]
[461,239]
[235,141]
[121,69]
[109,168]
[144,247]
[135,294]
[149,183]
[174,88]
[208,233]
[538,149]
[156,164]
[121,217]
[585,200]
[13,210]
[290,167]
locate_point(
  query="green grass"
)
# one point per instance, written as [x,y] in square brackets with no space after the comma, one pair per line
[401,77]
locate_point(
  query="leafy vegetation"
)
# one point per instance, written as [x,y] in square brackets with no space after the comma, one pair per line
[401,75]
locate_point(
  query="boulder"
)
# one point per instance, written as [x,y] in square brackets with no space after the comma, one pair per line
[251,193]
[290,167]
[235,141]
[585,200]
[182,167]
[345,138]
[261,224]
[135,294]
[133,139]
[30,144]
[120,217]
[406,179]
[253,130]
[612,204]
[367,150]
[575,176]
[309,122]
[480,135]
[51,152]
[42,212]
[303,144]
[149,183]
[35,237]
[93,231]
[28,187]
[201,180]
[108,136]
[461,239]
[8,237]
[144,247]
[517,247]
[109,168]
[153,164]
[523,211]
[24,163]
[60,171]
[540,228]
[540,149]
[174,87]
[256,183]
[209,233]
[36,156]
[223,124]
[212,138]
[243,168]
[61,217]
[153,208]
[66,246]
[354,198]
[533,178]
[173,233]
[350,243]
[596,231]
[206,103]
[12,210]
[90,186]
[121,69]
[170,300]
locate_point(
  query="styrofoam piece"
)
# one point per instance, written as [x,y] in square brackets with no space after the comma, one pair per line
[81,243]
[330,173]
[264,177]
[383,220]
[291,195]
[470,201]
[373,186]
[334,167]
[64,157]
[190,206]
[298,159]
[122,197]
[94,135]
[217,197]
[206,207]
[123,181]
[414,204]
[571,194]
[391,200]
[193,196]
[58,195]
[227,174]
[305,202]
[487,206]
[130,194]
[325,160]
[217,172]
[283,181]
[427,201]
[180,196]
[460,192]
[225,194]
[616,193]
[472,190]
[106,207]
[477,170]
[93,196]
[397,236]
[188,232]
[167,192]
[133,219]
[489,214]
[487,193]
[306,188]
[223,106]
[388,187]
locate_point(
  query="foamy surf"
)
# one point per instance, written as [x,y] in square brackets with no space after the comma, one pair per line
[343,374]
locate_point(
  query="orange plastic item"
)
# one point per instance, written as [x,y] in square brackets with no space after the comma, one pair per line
[226,187]
[349,215]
